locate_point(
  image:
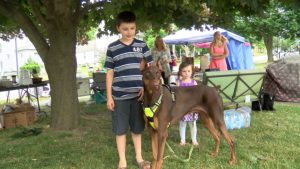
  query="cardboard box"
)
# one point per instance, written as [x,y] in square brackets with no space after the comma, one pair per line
[23,116]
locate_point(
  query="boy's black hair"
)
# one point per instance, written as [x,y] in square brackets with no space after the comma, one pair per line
[125,17]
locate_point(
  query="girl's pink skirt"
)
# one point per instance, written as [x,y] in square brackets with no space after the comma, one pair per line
[218,63]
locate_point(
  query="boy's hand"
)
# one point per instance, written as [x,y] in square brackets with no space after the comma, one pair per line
[110,104]
[141,94]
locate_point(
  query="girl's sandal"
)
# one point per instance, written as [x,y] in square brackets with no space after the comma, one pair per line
[195,144]
[182,144]
[144,164]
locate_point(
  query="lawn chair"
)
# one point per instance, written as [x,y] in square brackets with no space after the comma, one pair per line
[99,87]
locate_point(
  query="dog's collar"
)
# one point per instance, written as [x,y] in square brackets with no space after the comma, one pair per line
[150,111]
[171,91]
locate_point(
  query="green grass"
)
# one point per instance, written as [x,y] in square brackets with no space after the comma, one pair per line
[261,66]
[271,142]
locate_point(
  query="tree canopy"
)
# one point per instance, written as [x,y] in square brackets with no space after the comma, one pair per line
[183,13]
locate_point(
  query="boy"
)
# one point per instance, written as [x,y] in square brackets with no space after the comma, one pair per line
[124,87]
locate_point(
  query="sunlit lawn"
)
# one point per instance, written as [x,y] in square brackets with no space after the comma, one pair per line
[272,141]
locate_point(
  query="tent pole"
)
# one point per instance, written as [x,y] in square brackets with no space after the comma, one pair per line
[174,51]
[194,52]
[180,52]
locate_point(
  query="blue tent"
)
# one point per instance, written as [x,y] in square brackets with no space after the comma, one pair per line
[240,53]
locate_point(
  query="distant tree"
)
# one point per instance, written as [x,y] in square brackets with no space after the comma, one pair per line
[286,45]
[278,20]
[149,36]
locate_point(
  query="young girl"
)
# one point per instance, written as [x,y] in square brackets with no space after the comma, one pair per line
[185,74]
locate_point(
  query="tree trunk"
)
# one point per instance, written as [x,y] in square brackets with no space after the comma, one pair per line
[61,67]
[268,40]
[51,26]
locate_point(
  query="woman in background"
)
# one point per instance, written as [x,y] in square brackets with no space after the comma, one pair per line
[218,52]
[162,53]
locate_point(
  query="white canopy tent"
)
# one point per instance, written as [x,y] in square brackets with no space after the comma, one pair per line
[185,37]
[240,53]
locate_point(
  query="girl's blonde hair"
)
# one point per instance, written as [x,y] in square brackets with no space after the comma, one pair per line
[223,38]
[156,43]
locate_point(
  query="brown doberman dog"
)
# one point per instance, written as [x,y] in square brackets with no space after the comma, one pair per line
[169,107]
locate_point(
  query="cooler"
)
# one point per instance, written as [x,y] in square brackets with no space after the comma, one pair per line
[237,118]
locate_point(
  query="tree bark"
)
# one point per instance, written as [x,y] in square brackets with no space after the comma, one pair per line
[268,40]
[56,49]
[61,67]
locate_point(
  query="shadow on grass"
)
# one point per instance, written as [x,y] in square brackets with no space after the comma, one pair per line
[27,132]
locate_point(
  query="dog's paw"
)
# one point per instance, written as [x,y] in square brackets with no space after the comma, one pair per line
[214,154]
[232,161]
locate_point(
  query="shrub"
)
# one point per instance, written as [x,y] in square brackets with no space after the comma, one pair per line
[32,66]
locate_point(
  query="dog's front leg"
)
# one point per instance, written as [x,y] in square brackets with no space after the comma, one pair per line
[162,137]
[154,140]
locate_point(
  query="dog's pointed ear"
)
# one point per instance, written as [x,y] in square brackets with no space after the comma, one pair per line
[143,64]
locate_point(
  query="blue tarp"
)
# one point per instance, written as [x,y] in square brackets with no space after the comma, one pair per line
[240,54]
